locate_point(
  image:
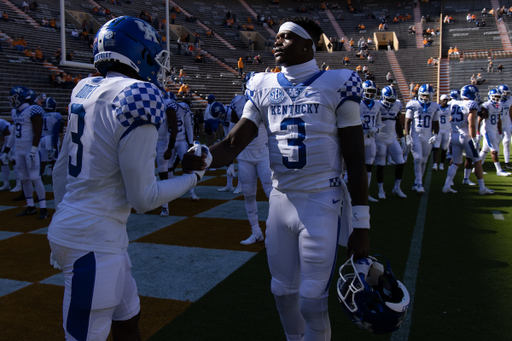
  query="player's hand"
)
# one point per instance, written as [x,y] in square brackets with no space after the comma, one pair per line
[476,143]
[168,154]
[358,244]
[52,153]
[479,138]
[197,159]
[403,145]
[372,132]
[433,139]
[231,171]
[5,158]
[409,141]
[171,144]
[53,262]
[31,157]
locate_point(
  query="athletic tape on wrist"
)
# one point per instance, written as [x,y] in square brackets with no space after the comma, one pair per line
[361,217]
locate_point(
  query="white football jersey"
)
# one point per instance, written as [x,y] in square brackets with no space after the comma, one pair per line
[491,122]
[444,117]
[422,116]
[24,132]
[505,112]
[460,112]
[49,121]
[370,114]
[389,117]
[102,112]
[164,131]
[302,124]
[261,140]
[185,128]
[4,125]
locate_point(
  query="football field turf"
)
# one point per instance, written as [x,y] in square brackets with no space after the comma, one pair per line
[197,282]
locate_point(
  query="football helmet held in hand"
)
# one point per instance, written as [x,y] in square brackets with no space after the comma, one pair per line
[371,296]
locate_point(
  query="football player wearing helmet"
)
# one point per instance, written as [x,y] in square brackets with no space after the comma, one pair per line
[370,295]
[370,111]
[5,133]
[421,119]
[49,144]
[214,114]
[464,137]
[506,123]
[106,167]
[386,140]
[443,138]
[490,129]
[312,119]
[28,123]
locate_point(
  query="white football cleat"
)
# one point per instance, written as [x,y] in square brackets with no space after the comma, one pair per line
[485,191]
[415,187]
[467,182]
[434,167]
[382,195]
[420,189]
[254,238]
[448,190]
[238,190]
[399,192]
[164,212]
[502,173]
[193,197]
[370,199]
[441,166]
[5,187]
[17,188]
[225,189]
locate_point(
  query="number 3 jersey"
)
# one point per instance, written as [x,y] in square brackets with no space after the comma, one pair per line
[302,123]
[93,208]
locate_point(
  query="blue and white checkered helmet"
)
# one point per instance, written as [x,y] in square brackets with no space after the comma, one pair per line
[18,95]
[369,90]
[494,95]
[133,42]
[470,92]
[49,105]
[455,94]
[425,94]
[389,95]
[505,91]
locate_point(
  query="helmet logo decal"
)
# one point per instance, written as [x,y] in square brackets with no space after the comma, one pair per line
[149,32]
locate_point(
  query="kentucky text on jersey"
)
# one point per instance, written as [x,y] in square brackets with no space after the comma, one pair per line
[311,108]
[86,91]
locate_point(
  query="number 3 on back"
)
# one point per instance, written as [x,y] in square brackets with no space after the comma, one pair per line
[76,126]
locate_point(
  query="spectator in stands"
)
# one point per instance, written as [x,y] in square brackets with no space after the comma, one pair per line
[70,56]
[20,44]
[68,81]
[415,92]
[468,17]
[59,80]
[389,78]
[77,79]
[484,12]
[248,58]
[53,23]
[473,80]
[257,59]
[250,45]
[268,69]
[240,67]
[490,68]
[430,61]
[500,68]
[30,54]
[341,44]
[323,66]
[5,17]
[346,61]
[411,88]
[182,76]
[365,69]
[25,6]
[456,50]
[359,69]
[370,59]
[412,30]
[479,79]
[39,54]
[184,90]
[446,19]
[75,34]
[351,43]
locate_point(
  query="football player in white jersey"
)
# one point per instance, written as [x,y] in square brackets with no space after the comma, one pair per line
[214,113]
[463,121]
[106,167]
[253,163]
[49,144]
[312,119]
[166,140]
[421,119]
[4,137]
[184,138]
[8,154]
[230,171]
[490,129]
[506,124]
[386,140]
[443,138]
[369,109]
[28,123]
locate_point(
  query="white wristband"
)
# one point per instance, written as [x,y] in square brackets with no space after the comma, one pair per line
[361,217]
[33,150]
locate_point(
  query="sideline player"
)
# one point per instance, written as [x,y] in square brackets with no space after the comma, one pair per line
[253,163]
[506,124]
[369,109]
[107,166]
[386,140]
[423,115]
[49,144]
[490,128]
[463,120]
[5,132]
[312,118]
[443,138]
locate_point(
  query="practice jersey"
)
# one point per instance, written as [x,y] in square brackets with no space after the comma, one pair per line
[102,112]
[444,118]
[184,120]
[491,122]
[422,116]
[370,114]
[261,140]
[164,131]
[505,112]
[460,112]
[21,119]
[302,122]
[389,115]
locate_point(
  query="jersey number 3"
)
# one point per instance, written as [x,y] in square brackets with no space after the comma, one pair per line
[76,126]
[295,126]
